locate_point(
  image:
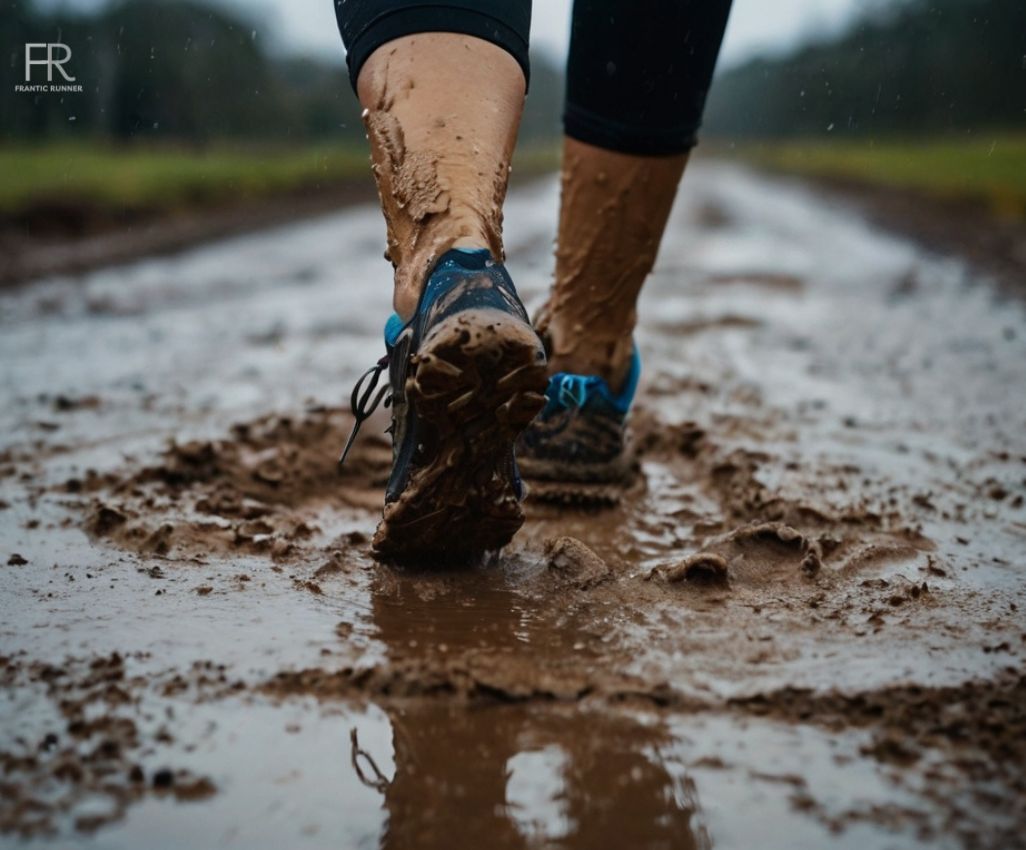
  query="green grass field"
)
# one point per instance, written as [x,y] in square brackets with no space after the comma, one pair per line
[991,170]
[988,169]
[111,178]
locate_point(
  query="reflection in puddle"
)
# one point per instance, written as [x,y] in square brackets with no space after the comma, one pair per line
[535,797]
[511,777]
[432,774]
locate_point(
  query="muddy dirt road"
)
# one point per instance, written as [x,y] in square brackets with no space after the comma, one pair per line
[804,628]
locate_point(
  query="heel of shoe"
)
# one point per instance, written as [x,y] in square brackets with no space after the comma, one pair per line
[476,383]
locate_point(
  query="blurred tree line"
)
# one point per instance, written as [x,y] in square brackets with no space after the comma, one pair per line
[182,71]
[919,66]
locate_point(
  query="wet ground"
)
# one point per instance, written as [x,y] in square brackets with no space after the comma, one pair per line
[801,629]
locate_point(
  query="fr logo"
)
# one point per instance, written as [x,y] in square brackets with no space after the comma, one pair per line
[57,55]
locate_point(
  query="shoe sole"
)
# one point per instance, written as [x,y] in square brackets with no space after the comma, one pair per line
[603,486]
[579,494]
[475,384]
[581,483]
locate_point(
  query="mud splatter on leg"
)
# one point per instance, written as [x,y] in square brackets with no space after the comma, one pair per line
[613,211]
[442,112]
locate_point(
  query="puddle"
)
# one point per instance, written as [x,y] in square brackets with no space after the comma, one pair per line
[189,608]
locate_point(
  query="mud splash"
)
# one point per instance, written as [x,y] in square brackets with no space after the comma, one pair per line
[252,492]
[803,619]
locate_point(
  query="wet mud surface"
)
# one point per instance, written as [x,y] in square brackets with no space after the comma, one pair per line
[951,227]
[800,627]
[71,237]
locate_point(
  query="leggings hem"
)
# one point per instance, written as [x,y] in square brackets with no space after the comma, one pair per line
[411,20]
[602,132]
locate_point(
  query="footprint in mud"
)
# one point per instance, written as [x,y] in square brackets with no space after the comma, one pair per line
[740,533]
[256,491]
[767,553]
[756,554]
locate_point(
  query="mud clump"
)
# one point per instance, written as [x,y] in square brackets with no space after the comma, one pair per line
[104,520]
[772,533]
[573,562]
[183,785]
[68,404]
[703,568]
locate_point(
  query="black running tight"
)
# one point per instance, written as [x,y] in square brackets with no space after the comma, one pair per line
[638,71]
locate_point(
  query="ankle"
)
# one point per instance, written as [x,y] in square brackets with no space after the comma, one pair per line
[412,276]
[608,355]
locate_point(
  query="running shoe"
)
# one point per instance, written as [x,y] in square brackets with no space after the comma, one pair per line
[576,448]
[466,376]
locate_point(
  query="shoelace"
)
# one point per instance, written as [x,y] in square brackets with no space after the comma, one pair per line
[363,405]
[573,390]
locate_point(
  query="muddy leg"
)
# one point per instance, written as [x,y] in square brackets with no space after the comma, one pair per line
[442,112]
[637,78]
[612,215]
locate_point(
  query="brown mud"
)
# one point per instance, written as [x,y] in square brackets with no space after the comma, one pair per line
[800,626]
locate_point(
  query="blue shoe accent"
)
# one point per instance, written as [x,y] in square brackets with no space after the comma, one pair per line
[579,438]
[567,390]
[393,327]
[452,266]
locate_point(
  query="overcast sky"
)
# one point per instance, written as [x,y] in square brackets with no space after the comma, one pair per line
[756,26]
